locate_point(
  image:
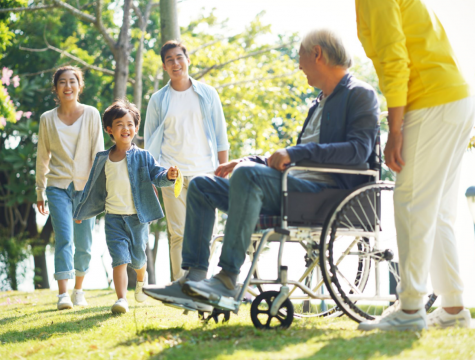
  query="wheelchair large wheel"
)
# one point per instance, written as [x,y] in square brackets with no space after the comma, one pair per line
[314,281]
[361,229]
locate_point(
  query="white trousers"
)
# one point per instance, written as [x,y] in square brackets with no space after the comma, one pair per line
[425,201]
[175,211]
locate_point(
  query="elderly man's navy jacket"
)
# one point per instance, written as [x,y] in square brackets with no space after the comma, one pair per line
[347,133]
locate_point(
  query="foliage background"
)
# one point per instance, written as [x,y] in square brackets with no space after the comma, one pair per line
[265,97]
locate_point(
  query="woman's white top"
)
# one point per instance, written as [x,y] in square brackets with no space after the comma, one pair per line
[184,140]
[54,165]
[119,198]
[68,134]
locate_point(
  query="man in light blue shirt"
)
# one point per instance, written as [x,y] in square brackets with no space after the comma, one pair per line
[184,127]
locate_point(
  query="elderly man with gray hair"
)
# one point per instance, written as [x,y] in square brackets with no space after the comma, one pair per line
[341,128]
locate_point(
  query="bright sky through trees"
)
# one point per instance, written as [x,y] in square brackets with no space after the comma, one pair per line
[301,15]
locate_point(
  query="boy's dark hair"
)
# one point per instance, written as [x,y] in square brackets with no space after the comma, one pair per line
[119,109]
[171,44]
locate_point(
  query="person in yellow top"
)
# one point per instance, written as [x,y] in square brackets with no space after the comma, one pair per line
[430,118]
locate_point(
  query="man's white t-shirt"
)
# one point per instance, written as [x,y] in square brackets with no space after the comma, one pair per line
[68,134]
[119,198]
[184,140]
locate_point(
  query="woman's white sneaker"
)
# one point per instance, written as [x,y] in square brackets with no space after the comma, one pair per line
[120,307]
[78,298]
[441,318]
[397,320]
[64,302]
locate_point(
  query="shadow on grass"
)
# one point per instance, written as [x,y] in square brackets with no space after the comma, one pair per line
[52,312]
[240,341]
[12,319]
[74,324]
[366,346]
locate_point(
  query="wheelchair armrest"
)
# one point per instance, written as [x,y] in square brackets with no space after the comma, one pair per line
[310,164]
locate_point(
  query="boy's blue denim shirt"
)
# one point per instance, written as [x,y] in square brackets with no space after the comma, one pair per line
[214,123]
[143,172]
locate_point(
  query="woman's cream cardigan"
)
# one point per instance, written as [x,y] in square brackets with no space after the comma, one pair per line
[52,161]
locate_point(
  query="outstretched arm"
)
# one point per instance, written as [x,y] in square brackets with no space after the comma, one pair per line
[42,166]
[393,149]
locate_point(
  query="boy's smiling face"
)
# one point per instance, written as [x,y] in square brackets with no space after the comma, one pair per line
[123,129]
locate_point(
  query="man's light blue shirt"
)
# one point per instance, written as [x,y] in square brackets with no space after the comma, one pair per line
[211,110]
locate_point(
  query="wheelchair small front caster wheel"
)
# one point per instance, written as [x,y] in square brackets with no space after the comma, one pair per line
[206,317]
[261,316]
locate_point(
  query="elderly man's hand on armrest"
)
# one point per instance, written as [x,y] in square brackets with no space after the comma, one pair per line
[279,160]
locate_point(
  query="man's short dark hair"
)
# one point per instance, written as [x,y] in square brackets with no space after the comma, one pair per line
[171,44]
[119,109]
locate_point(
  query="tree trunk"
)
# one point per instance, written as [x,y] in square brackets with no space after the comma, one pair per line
[170,31]
[13,278]
[122,55]
[138,73]
[150,266]
[168,25]
[169,236]
[41,280]
[132,275]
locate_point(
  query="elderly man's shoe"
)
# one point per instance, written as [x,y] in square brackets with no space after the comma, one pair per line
[172,295]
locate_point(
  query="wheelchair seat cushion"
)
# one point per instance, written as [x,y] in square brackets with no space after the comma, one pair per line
[268,222]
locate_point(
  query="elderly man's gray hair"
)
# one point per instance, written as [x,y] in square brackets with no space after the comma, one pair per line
[334,51]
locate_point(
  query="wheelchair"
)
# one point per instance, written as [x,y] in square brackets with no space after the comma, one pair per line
[348,239]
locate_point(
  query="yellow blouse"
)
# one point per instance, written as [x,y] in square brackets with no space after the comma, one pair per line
[411,53]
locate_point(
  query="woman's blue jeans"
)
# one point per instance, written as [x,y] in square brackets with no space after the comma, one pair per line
[252,190]
[62,203]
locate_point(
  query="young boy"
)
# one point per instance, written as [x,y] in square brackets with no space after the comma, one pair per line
[121,184]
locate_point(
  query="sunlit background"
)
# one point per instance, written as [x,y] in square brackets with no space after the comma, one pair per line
[298,16]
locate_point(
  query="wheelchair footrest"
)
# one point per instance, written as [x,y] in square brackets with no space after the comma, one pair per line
[224,303]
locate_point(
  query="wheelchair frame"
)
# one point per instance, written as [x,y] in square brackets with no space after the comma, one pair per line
[289,234]
[277,301]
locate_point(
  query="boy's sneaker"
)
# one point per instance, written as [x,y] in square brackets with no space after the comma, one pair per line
[139,295]
[78,298]
[64,302]
[441,318]
[120,307]
[211,288]
[397,320]
[172,295]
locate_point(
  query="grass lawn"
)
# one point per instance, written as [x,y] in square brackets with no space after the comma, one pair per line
[31,327]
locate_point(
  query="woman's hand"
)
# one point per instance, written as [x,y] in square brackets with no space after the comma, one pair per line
[78,221]
[41,208]
[393,151]
[172,173]
[225,169]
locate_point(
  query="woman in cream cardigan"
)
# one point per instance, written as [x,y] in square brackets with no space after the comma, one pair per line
[70,135]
